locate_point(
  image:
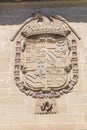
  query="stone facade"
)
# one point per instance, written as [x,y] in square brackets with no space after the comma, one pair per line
[17,109]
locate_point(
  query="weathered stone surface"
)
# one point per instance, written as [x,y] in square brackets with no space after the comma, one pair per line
[16,109]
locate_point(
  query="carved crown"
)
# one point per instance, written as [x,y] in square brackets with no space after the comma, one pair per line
[49,25]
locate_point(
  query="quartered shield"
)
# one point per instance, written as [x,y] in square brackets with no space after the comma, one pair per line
[46,61]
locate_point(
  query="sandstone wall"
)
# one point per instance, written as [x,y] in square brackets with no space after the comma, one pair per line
[17,109]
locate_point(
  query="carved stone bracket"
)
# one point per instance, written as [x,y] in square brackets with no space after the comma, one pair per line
[46,106]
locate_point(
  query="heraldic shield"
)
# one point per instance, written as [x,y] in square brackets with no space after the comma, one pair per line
[46,61]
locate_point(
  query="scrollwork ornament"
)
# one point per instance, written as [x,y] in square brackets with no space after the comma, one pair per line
[46,60]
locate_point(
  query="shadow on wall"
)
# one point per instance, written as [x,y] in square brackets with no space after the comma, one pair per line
[19,15]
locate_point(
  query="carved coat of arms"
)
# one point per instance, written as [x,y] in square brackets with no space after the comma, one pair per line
[46,61]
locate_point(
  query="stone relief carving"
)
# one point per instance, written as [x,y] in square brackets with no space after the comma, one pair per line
[46,61]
